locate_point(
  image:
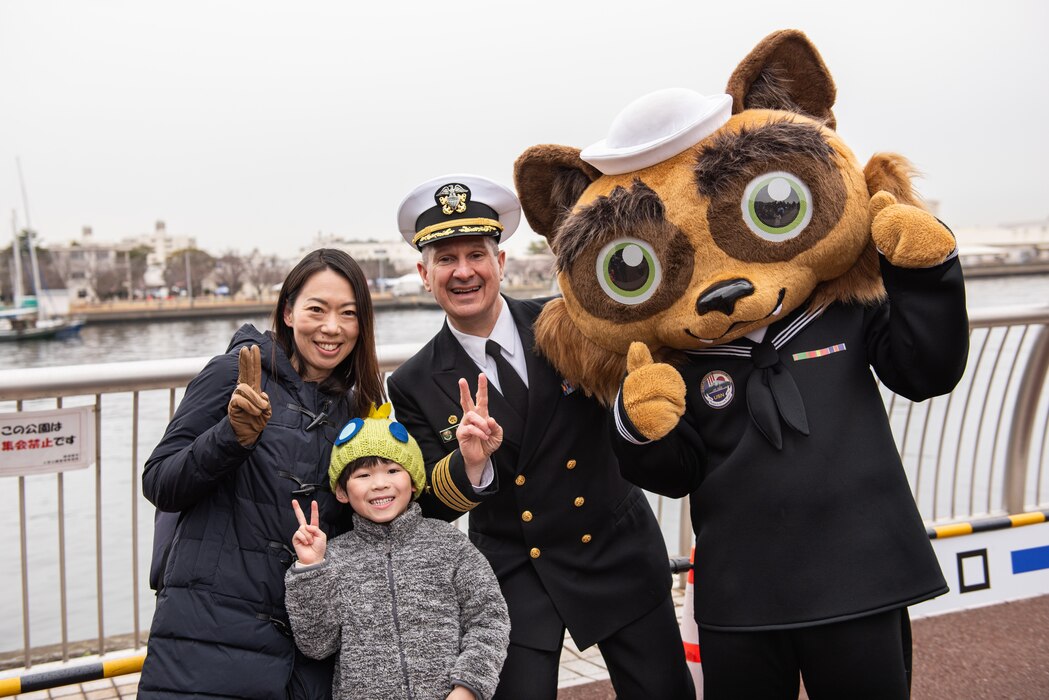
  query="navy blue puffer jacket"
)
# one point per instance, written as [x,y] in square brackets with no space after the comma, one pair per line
[220,628]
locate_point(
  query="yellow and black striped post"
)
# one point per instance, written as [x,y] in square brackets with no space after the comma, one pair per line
[1035,517]
[81,673]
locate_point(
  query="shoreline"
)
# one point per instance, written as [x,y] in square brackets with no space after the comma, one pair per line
[182,309]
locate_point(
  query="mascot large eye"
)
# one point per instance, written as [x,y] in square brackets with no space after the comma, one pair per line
[777,206]
[628,270]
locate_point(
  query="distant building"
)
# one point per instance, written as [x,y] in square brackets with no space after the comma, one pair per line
[1010,243]
[163,244]
[90,268]
[378,259]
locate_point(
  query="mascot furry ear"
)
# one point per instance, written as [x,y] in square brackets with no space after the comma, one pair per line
[764,210]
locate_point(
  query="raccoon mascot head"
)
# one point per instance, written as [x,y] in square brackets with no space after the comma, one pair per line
[701,219]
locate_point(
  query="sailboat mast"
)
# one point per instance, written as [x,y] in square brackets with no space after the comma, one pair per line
[16,251]
[30,233]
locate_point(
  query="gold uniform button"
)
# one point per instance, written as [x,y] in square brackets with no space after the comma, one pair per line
[579,501]
[527,516]
[586,538]
[570,464]
[534,553]
[519,480]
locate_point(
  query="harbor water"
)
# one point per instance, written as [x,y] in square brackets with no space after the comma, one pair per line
[122,461]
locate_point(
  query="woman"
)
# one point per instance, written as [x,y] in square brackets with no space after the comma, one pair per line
[254,430]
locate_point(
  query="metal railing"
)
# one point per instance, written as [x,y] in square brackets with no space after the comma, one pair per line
[980,451]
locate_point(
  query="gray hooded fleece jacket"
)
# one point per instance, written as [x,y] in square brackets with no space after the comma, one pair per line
[412,608]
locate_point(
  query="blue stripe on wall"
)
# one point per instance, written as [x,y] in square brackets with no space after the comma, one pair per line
[1032,559]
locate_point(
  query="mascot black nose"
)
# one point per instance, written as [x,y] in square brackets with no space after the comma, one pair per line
[723,296]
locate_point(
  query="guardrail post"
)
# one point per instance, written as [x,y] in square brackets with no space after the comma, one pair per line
[1019,448]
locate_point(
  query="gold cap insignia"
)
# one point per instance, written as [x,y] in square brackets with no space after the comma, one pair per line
[453,198]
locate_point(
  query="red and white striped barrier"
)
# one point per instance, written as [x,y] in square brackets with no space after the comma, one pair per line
[690,631]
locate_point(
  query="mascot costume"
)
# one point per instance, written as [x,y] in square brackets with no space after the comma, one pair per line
[738,241]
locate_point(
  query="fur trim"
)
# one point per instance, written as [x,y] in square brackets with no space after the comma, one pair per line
[729,154]
[761,78]
[892,173]
[621,212]
[598,372]
[549,181]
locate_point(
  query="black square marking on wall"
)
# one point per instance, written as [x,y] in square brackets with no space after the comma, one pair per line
[975,582]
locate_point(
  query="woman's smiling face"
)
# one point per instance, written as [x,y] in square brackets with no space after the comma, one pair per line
[323,320]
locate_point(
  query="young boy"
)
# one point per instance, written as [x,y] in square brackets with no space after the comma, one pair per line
[410,605]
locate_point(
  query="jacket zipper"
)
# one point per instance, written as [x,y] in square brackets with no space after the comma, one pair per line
[396,619]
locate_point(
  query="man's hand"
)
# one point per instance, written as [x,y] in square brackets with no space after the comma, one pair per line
[653,393]
[309,540]
[249,408]
[907,236]
[479,434]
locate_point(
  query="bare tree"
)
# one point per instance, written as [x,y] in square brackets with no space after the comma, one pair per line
[109,282]
[136,259]
[200,265]
[265,271]
[231,270]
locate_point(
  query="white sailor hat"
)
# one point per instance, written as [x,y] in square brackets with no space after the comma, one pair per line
[656,127]
[458,205]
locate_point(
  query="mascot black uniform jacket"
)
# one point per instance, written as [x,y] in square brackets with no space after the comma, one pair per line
[569,539]
[825,529]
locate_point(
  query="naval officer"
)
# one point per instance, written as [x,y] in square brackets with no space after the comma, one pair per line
[572,543]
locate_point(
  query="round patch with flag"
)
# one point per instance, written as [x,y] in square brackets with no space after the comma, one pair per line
[717,389]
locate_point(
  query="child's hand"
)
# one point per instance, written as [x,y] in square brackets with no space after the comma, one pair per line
[460,693]
[309,540]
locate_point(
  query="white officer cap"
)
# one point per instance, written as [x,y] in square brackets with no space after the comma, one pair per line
[458,205]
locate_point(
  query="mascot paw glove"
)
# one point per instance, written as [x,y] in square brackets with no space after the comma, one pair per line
[906,235]
[653,393]
[249,409]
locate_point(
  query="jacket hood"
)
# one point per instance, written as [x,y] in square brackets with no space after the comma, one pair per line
[274,361]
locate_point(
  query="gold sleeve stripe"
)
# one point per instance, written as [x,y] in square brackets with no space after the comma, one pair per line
[445,489]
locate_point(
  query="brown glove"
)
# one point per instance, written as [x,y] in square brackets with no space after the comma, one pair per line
[249,408]
[908,236]
[653,393]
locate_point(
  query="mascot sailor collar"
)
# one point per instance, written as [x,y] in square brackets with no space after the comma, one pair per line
[702,220]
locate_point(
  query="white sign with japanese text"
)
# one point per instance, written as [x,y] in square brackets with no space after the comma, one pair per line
[39,442]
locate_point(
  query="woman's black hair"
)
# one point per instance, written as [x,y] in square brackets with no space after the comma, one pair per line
[359,372]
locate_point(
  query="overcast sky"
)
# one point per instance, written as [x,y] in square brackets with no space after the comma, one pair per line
[259,124]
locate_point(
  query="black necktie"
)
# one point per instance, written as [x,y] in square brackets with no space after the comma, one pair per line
[513,389]
[772,394]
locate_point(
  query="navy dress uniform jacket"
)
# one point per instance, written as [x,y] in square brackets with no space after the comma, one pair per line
[825,529]
[569,539]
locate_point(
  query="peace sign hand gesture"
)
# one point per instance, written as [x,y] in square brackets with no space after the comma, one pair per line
[249,409]
[479,434]
[309,540]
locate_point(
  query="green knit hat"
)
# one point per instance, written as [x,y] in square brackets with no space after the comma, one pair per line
[377,436]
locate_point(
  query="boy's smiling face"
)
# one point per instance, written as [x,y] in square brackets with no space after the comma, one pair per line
[379,492]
